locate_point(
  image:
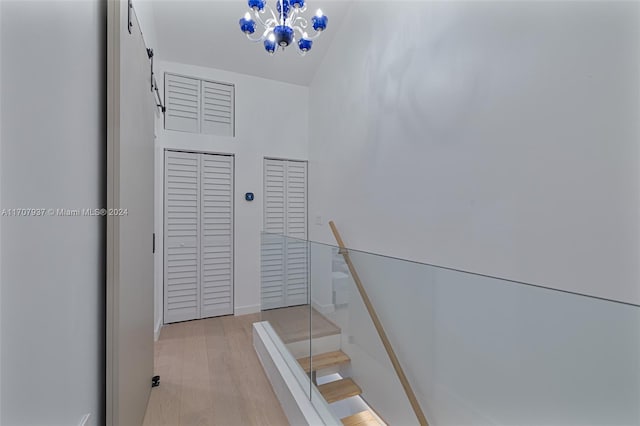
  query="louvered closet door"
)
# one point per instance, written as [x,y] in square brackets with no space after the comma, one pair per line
[181,236]
[284,260]
[273,246]
[182,96]
[297,251]
[216,224]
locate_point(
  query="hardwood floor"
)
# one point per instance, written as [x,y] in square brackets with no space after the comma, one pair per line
[210,375]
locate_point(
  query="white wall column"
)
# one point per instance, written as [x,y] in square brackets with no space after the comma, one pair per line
[53,157]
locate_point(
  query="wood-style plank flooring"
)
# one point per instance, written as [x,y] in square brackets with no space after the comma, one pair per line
[292,324]
[211,375]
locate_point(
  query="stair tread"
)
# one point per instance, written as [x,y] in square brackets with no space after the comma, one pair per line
[363,418]
[325,360]
[339,390]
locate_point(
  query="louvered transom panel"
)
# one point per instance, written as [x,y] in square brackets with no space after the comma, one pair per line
[216,224]
[217,108]
[182,97]
[181,236]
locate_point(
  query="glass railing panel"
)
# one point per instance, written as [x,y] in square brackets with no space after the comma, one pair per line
[284,265]
[475,349]
[336,296]
[482,350]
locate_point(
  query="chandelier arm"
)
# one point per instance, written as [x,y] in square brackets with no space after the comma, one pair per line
[273,15]
[308,37]
[261,38]
[259,18]
[304,23]
[293,16]
[300,30]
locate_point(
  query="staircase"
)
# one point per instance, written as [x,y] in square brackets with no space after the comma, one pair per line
[340,389]
[329,368]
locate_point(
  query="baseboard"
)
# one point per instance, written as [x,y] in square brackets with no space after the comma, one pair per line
[246,310]
[156,331]
[290,384]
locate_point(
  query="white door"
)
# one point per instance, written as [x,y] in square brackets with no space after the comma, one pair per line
[297,247]
[272,261]
[216,243]
[285,259]
[130,292]
[198,233]
[181,236]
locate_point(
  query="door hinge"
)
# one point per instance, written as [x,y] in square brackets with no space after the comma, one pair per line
[153,244]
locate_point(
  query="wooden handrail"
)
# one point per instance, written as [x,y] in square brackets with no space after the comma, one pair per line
[378,325]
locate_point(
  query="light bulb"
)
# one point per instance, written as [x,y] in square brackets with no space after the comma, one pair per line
[304,35]
[247,16]
[272,37]
[319,13]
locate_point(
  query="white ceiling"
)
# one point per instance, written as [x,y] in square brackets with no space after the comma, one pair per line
[206,33]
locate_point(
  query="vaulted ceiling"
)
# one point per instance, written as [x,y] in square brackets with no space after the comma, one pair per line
[206,33]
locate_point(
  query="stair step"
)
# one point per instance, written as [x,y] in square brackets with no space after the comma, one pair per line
[363,418]
[339,390]
[326,360]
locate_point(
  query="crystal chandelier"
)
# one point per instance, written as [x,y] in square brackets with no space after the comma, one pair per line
[281,28]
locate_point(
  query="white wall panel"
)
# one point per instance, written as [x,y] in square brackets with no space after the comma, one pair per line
[500,138]
[52,268]
[494,137]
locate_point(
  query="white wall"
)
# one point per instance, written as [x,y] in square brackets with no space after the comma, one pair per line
[0,216]
[147,19]
[52,268]
[500,138]
[260,132]
[495,137]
